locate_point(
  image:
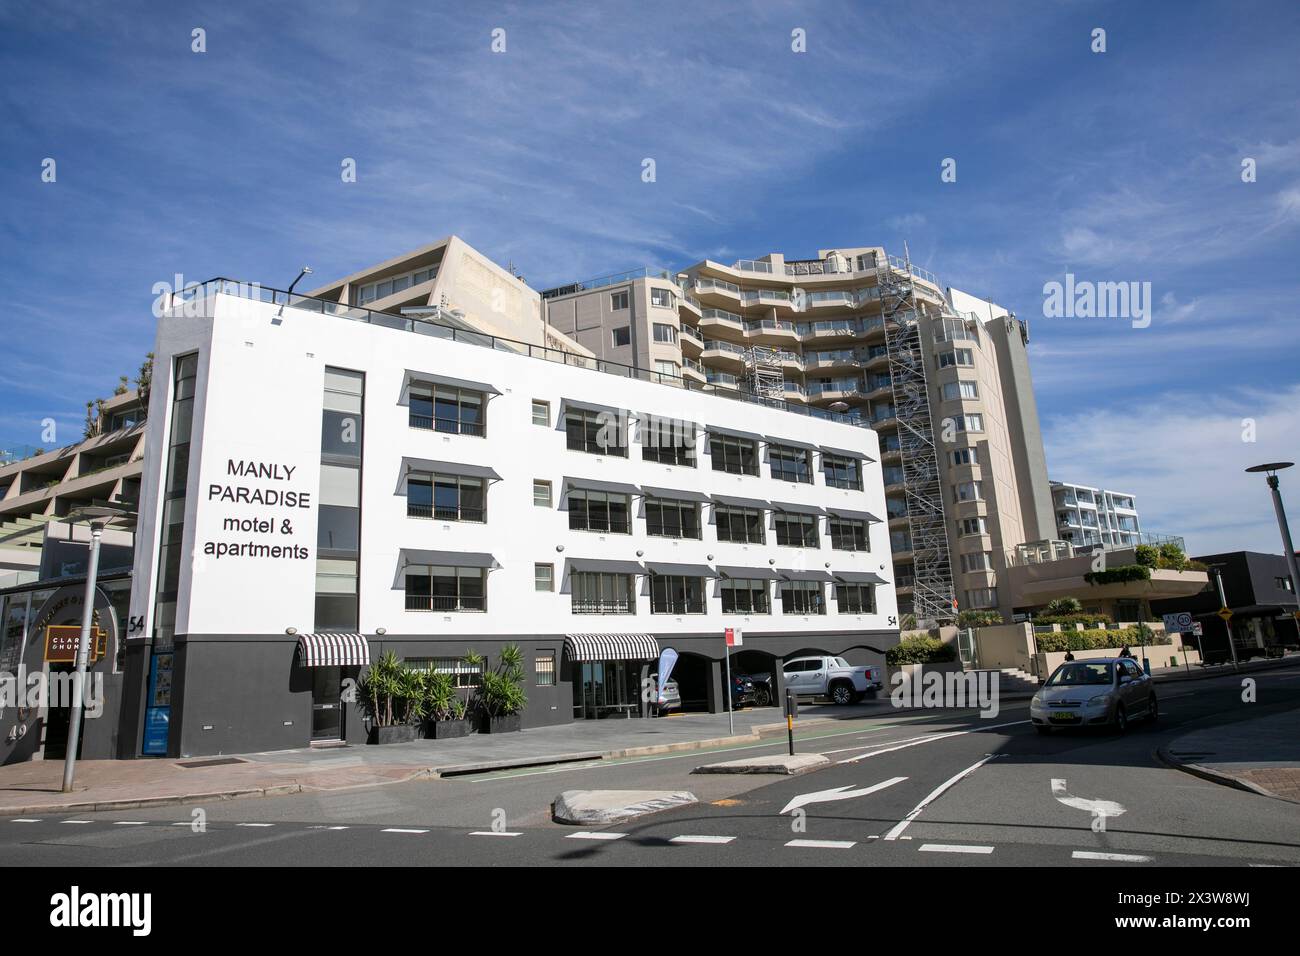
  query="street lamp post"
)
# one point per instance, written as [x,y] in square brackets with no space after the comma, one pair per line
[1227,622]
[99,517]
[1271,469]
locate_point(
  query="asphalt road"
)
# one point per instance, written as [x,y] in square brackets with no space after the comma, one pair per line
[921,789]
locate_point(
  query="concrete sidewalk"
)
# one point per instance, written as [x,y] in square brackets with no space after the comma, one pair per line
[35,786]
[1261,754]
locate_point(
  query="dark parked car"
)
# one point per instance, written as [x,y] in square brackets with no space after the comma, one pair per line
[742,691]
[764,689]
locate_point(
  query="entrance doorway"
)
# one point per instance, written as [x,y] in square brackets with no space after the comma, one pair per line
[326,703]
[58,720]
[606,689]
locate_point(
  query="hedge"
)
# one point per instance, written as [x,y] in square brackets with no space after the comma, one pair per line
[920,650]
[1069,620]
[978,619]
[1097,640]
[1121,575]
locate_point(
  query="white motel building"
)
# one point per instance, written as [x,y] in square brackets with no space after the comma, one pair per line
[325,483]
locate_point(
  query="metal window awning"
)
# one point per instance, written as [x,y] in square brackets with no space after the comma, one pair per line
[443,559]
[448,468]
[595,484]
[611,647]
[605,566]
[735,433]
[437,378]
[681,570]
[858,577]
[734,502]
[765,574]
[685,424]
[797,509]
[567,403]
[676,493]
[845,453]
[333,650]
[852,515]
[792,574]
[791,443]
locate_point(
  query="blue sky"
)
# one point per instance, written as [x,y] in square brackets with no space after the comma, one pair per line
[1115,166]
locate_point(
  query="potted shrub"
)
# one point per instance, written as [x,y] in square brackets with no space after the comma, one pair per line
[392,700]
[444,710]
[500,697]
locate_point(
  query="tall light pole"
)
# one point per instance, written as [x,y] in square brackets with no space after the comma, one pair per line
[1271,470]
[99,518]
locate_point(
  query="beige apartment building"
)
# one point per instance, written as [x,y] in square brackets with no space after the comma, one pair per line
[943,377]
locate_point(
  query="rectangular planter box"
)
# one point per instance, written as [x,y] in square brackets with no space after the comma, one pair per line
[501,725]
[398,734]
[443,729]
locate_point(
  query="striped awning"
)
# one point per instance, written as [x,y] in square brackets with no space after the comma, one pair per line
[611,647]
[333,650]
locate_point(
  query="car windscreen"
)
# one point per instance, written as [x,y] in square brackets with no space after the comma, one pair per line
[1081,673]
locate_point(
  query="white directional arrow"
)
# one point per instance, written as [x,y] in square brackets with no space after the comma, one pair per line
[839,793]
[1098,808]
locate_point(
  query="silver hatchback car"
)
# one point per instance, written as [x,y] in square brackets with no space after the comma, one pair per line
[1105,691]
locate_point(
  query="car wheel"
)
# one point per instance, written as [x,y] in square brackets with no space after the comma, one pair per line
[1121,719]
[842,694]
[1043,731]
[1153,709]
[762,698]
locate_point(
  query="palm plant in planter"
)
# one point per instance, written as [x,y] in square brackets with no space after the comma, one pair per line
[444,710]
[392,700]
[500,698]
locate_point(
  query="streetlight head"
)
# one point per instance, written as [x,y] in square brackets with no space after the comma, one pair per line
[1270,467]
[306,270]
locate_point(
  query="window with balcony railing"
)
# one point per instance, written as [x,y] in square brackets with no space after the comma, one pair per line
[675,594]
[795,531]
[602,511]
[601,593]
[446,497]
[433,588]
[456,411]
[802,597]
[855,598]
[669,518]
[739,525]
[745,596]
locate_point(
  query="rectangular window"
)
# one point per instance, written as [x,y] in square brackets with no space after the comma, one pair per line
[673,594]
[543,577]
[663,298]
[596,433]
[599,511]
[745,596]
[968,491]
[541,493]
[446,497]
[842,472]
[541,412]
[599,593]
[622,336]
[977,561]
[959,390]
[802,597]
[738,456]
[966,456]
[982,597]
[958,357]
[968,423]
[665,333]
[456,411]
[666,369]
[338,529]
[463,675]
[855,598]
[739,525]
[436,588]
[618,301]
[185,370]
[972,526]
[789,463]
[668,441]
[849,535]
[544,668]
[672,518]
[796,531]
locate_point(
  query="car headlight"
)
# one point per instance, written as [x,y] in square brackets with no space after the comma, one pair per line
[1036,701]
[1100,700]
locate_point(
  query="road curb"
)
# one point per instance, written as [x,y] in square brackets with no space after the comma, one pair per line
[96,806]
[1213,776]
[1274,665]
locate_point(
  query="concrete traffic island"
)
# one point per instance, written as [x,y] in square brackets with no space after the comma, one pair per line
[593,807]
[772,763]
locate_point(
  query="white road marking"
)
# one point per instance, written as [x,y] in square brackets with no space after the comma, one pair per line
[322,827]
[77,821]
[183,823]
[1098,808]
[401,830]
[953,848]
[588,835]
[254,824]
[935,794]
[496,833]
[838,793]
[24,820]
[823,844]
[1112,857]
[130,823]
[702,839]
[929,738]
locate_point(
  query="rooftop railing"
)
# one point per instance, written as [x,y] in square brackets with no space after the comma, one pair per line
[614,278]
[433,326]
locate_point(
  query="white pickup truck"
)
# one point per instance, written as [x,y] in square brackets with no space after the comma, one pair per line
[831,677]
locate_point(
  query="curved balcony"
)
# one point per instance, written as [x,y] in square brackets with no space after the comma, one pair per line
[723,355]
[771,332]
[832,360]
[715,322]
[690,340]
[693,371]
[713,292]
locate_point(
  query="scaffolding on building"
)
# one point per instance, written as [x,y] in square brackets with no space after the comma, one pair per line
[933,599]
[763,373]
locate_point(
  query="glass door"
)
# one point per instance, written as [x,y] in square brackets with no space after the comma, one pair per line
[326,705]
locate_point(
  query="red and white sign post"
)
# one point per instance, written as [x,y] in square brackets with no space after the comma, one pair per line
[731,637]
